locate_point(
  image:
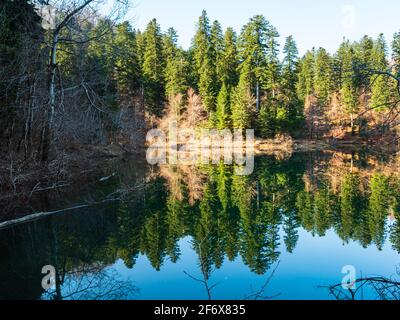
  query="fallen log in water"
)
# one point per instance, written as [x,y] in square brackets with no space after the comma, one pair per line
[39,215]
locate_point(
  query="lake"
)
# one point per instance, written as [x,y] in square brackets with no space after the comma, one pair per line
[284,232]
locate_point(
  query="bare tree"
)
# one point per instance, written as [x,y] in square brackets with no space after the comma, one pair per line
[260,294]
[382,288]
[63,27]
[392,115]
[90,282]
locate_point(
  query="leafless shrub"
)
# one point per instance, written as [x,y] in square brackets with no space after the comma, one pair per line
[91,282]
[382,289]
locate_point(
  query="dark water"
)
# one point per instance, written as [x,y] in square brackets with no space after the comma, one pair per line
[285,232]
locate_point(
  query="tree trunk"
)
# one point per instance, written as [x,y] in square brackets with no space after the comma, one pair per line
[352,124]
[49,115]
[258,96]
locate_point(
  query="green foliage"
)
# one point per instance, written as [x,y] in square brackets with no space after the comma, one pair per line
[140,44]
[175,224]
[304,205]
[176,69]
[273,65]
[290,64]
[259,72]
[351,204]
[223,108]
[229,61]
[380,85]
[115,61]
[323,211]
[153,68]
[126,62]
[253,46]
[242,103]
[378,207]
[266,121]
[292,105]
[217,51]
[290,227]
[396,51]
[323,76]
[364,51]
[203,55]
[305,86]
[349,86]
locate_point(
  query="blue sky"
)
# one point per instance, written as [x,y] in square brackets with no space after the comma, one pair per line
[312,22]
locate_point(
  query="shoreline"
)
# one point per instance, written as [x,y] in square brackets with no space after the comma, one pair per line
[100,168]
[86,161]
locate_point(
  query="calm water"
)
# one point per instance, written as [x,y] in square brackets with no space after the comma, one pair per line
[284,232]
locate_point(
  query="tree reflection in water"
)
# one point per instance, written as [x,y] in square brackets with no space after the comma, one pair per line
[225,215]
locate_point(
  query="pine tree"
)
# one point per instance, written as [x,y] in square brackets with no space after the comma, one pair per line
[170,40]
[378,206]
[364,50]
[289,65]
[204,63]
[305,85]
[276,111]
[349,85]
[242,103]
[380,85]
[229,62]
[223,108]
[253,44]
[363,54]
[176,66]
[322,76]
[127,70]
[140,45]
[350,204]
[217,50]
[290,229]
[153,68]
[101,56]
[260,65]
[273,65]
[396,52]
[207,84]
[323,211]
[267,121]
[290,100]
[201,41]
[305,209]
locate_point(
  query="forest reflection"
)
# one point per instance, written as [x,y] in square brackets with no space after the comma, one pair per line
[226,216]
